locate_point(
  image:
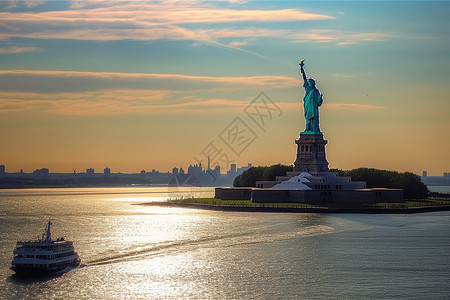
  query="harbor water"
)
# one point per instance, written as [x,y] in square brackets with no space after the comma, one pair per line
[133,251]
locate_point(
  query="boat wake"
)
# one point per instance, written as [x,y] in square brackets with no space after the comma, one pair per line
[140,252]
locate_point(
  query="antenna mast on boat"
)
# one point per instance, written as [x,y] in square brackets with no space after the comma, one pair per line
[49,236]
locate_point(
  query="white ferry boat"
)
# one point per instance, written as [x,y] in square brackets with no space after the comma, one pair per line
[44,256]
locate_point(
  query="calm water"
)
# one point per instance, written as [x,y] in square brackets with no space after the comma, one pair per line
[439,188]
[141,252]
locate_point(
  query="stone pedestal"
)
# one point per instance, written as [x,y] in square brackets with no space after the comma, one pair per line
[311,154]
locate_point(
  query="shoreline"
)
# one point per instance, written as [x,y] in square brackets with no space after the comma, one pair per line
[287,209]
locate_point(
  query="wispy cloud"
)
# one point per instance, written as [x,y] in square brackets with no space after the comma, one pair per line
[48,81]
[15,4]
[344,75]
[180,12]
[351,106]
[239,43]
[122,101]
[33,3]
[112,93]
[14,50]
[110,102]
[111,30]
[340,37]
[140,15]
[140,20]
[356,107]
[113,20]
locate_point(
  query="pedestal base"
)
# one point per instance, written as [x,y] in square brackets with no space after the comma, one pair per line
[311,154]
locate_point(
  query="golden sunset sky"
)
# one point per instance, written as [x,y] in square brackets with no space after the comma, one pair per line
[142,85]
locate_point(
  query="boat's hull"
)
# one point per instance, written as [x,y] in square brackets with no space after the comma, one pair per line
[38,271]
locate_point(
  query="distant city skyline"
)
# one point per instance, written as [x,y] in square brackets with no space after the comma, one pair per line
[175,170]
[195,175]
[155,85]
[106,170]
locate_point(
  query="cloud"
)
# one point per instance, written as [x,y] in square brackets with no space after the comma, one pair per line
[351,106]
[28,4]
[110,102]
[105,102]
[33,3]
[356,107]
[122,101]
[113,20]
[14,50]
[146,14]
[49,81]
[239,43]
[113,30]
[340,37]
[344,75]
[117,20]
[113,93]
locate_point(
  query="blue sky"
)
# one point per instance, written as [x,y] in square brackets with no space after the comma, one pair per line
[135,85]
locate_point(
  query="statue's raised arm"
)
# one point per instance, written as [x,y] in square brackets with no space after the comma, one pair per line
[311,102]
[302,63]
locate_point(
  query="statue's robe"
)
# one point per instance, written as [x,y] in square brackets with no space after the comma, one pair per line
[311,102]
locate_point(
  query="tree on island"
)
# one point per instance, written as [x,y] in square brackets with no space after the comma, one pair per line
[250,176]
[411,184]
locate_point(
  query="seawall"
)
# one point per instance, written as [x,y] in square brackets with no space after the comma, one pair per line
[320,210]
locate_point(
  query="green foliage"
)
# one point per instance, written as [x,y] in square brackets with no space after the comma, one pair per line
[413,187]
[250,176]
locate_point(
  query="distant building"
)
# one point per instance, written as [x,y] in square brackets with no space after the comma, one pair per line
[174,171]
[181,171]
[90,172]
[196,170]
[242,169]
[142,173]
[424,173]
[217,169]
[213,174]
[2,170]
[107,171]
[44,172]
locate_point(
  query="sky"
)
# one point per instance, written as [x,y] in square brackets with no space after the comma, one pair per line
[142,85]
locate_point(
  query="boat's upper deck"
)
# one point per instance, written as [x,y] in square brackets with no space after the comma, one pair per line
[43,247]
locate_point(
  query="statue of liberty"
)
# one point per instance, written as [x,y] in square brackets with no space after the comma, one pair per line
[311,102]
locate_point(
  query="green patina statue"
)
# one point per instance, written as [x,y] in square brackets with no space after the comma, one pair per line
[311,102]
